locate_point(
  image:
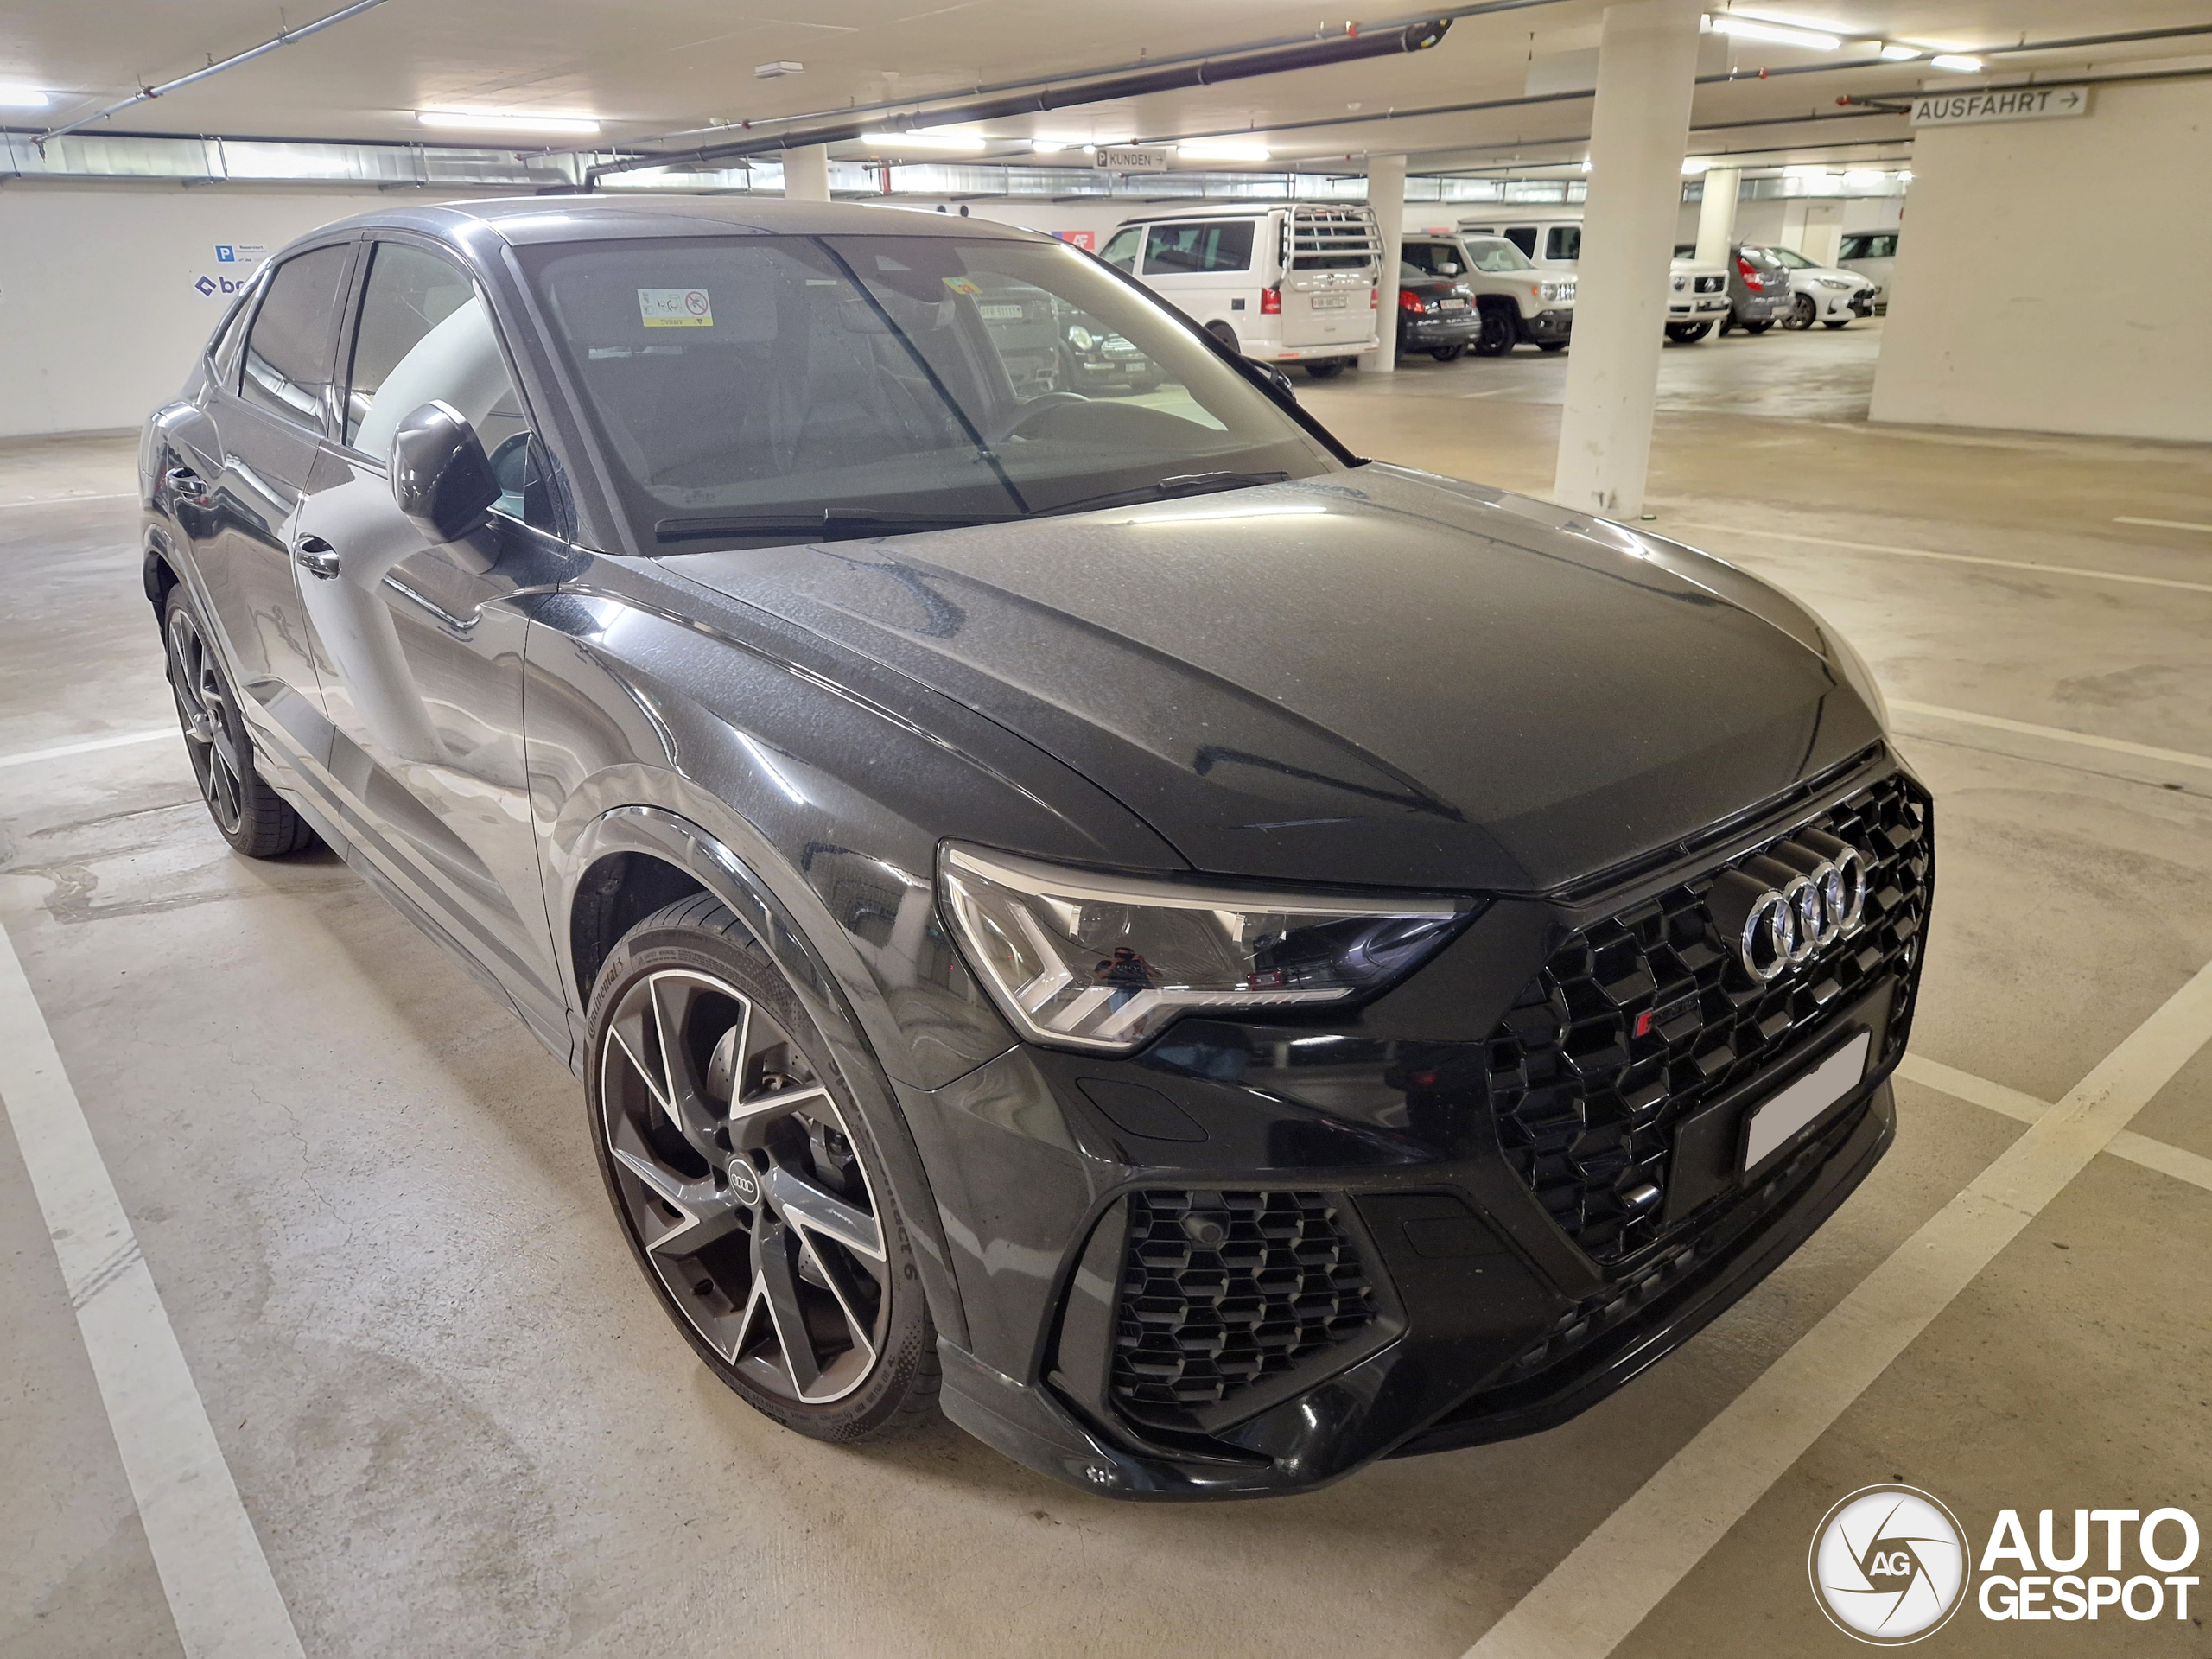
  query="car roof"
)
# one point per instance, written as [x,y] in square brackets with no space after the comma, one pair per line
[524,220]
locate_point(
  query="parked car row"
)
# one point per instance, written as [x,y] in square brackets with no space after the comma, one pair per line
[1767,285]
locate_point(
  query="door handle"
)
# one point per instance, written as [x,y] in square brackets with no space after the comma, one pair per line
[184,482]
[316,556]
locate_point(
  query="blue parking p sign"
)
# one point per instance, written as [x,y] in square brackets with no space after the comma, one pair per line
[225,254]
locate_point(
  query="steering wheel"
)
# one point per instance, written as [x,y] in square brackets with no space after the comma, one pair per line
[1036,406]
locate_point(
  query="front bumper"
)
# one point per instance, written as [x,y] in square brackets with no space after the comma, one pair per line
[1548,325]
[1252,1258]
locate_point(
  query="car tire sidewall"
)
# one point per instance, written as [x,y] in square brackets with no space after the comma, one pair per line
[269,826]
[703,935]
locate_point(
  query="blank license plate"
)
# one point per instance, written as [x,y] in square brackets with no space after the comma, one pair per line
[1771,1125]
[1328,301]
[1455,305]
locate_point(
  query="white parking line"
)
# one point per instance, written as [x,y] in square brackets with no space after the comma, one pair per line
[1612,1581]
[2167,1159]
[1975,558]
[48,500]
[2058,733]
[222,1595]
[2163,524]
[32,757]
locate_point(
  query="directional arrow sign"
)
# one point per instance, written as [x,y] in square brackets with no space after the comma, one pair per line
[2012,103]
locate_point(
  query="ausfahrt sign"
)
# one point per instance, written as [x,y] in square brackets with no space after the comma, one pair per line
[2012,104]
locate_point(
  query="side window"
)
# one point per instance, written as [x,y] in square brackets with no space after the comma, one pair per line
[1120,252]
[1429,258]
[1202,246]
[223,349]
[288,348]
[1522,237]
[425,335]
[1563,242]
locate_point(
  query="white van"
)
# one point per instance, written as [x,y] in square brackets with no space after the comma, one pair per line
[1697,295]
[1283,284]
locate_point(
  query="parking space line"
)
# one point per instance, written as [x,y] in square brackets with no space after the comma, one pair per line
[2166,1158]
[221,1595]
[32,757]
[2082,570]
[2057,734]
[1610,1582]
[48,500]
[2163,524]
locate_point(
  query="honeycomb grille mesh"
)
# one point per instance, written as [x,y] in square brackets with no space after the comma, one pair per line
[1220,1289]
[1586,1108]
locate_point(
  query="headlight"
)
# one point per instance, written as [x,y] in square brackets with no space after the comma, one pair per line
[1089,959]
[1081,338]
[1835,282]
[1554,291]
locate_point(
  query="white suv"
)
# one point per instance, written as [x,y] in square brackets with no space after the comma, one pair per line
[1697,295]
[1518,302]
[1282,284]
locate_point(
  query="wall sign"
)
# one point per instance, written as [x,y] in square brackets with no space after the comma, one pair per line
[1128,159]
[2013,104]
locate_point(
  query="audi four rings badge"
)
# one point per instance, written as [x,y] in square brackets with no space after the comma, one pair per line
[1819,897]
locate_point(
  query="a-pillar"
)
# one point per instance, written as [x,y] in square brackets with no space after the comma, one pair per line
[1716,215]
[806,174]
[1647,68]
[1386,196]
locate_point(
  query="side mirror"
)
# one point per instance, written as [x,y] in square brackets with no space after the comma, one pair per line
[1278,380]
[439,475]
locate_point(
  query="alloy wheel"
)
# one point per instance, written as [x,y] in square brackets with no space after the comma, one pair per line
[212,735]
[738,1174]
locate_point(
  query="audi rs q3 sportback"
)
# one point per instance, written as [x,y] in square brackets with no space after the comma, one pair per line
[1212,960]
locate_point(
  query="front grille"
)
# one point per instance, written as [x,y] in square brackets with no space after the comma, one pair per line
[1711,285]
[1586,1109]
[1220,1289]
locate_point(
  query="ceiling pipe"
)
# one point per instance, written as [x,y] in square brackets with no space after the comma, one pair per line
[1350,46]
[284,37]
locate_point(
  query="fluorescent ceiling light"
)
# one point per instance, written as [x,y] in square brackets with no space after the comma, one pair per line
[1819,26]
[1692,165]
[1898,52]
[1863,177]
[923,140]
[16,96]
[1048,146]
[504,121]
[1780,34]
[1955,60]
[1215,149]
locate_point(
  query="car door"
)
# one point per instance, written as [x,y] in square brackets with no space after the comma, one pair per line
[421,642]
[267,423]
[1329,283]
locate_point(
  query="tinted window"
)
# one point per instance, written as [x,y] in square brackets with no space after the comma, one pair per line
[1522,237]
[1433,258]
[426,336]
[288,352]
[1224,244]
[1563,242]
[743,387]
[1122,251]
[1869,245]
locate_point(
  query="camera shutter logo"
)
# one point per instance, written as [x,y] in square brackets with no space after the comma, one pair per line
[1888,1565]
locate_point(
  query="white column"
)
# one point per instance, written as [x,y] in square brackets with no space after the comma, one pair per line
[1716,215]
[1647,65]
[806,174]
[1386,195]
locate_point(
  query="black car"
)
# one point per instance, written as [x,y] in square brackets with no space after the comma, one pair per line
[1435,314]
[1226,960]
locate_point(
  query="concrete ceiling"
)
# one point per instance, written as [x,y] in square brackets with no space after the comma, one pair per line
[652,67]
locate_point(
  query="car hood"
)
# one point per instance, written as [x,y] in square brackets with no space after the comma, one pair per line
[1376,677]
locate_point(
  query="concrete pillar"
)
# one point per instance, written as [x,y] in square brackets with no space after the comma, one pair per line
[1386,195]
[1716,215]
[806,174]
[1647,64]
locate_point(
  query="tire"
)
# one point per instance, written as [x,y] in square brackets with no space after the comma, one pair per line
[1326,368]
[789,1220]
[1835,323]
[1447,354]
[1802,313]
[1498,333]
[1688,334]
[254,818]
[1758,327]
[1227,336]
[1551,344]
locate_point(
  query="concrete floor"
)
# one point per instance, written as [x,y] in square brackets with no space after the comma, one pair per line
[460,1426]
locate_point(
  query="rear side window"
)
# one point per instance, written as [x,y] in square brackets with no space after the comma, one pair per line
[1522,237]
[1120,252]
[1205,245]
[1563,242]
[1868,245]
[1433,258]
[223,349]
[287,349]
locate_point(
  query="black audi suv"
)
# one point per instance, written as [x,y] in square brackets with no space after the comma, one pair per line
[1211,960]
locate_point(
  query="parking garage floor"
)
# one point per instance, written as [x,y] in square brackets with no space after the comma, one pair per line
[460,1425]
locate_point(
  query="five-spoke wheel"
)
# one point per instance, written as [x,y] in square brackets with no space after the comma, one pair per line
[253,817]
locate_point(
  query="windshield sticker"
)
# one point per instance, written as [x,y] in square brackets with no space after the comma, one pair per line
[675,307]
[962,285]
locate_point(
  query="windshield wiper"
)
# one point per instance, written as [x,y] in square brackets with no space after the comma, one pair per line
[830,525]
[1166,489]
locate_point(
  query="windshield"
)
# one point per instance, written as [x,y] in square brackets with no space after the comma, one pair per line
[1792,258]
[758,390]
[1495,253]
